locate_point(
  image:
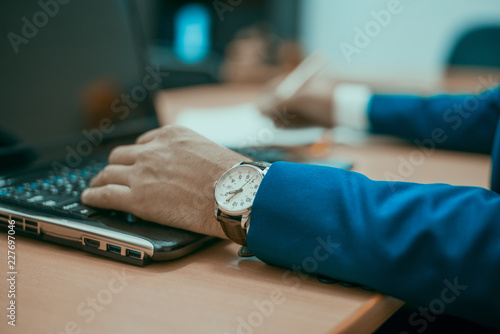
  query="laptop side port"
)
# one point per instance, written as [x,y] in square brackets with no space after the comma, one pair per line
[31,226]
[4,220]
[134,254]
[4,217]
[31,222]
[18,220]
[91,242]
[114,249]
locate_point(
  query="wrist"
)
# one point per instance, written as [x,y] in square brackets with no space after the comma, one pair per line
[222,163]
[234,194]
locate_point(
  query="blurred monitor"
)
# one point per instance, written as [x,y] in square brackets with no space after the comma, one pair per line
[64,67]
[224,18]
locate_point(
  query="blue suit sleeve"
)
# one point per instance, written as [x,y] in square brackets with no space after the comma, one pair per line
[457,122]
[435,245]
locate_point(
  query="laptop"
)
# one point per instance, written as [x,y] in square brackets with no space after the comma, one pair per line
[75,84]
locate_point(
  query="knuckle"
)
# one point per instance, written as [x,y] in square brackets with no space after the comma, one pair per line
[173,135]
[173,130]
[172,127]
[147,170]
[168,126]
[105,195]
[114,153]
[146,153]
[168,130]
[181,141]
[145,134]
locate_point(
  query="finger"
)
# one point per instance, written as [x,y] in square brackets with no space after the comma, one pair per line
[112,174]
[274,82]
[268,99]
[291,123]
[111,196]
[148,136]
[124,155]
[267,104]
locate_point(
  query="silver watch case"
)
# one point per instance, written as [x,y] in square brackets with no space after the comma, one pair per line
[245,213]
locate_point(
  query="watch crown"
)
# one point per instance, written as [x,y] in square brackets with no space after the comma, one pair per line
[215,184]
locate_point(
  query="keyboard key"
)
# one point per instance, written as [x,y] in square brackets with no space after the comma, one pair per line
[34,199]
[70,206]
[57,193]
[24,196]
[84,211]
[55,201]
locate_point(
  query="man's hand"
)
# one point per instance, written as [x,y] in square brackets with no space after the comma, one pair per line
[311,106]
[167,177]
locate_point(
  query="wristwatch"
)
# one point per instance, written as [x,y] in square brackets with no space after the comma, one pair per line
[234,195]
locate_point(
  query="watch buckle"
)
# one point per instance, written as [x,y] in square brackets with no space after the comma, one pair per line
[244,252]
[245,221]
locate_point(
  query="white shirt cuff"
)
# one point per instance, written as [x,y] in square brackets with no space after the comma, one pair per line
[350,106]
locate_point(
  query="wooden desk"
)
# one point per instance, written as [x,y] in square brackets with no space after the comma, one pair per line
[212,291]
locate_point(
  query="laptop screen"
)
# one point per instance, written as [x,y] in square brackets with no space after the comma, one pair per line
[71,68]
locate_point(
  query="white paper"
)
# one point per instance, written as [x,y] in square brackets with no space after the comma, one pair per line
[242,125]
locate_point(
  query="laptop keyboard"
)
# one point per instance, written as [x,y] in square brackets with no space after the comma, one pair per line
[59,194]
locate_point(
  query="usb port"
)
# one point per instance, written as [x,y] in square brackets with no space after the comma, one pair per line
[31,226]
[18,220]
[31,222]
[91,243]
[114,249]
[134,254]
[31,229]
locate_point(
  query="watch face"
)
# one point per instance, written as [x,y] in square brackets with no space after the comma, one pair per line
[237,188]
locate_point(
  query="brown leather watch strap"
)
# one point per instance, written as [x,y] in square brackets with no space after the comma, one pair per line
[231,225]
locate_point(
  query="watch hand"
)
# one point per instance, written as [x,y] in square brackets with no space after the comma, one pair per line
[247,182]
[240,189]
[234,192]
